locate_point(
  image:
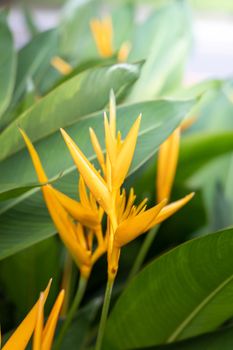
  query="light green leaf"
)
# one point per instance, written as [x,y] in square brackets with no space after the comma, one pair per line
[7,64]
[167,50]
[185,292]
[33,60]
[81,95]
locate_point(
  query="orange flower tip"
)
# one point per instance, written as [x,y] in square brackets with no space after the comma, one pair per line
[66,137]
[112,97]
[105,117]
[49,283]
[163,202]
[190,195]
[139,118]
[62,293]
[22,132]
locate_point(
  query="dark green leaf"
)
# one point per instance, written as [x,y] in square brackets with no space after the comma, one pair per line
[183,293]
[199,149]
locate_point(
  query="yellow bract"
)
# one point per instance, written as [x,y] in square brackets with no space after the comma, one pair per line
[34,322]
[77,223]
[115,165]
[102,31]
[172,208]
[61,66]
[167,162]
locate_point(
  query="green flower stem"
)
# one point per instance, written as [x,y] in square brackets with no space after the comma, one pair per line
[104,314]
[74,307]
[150,236]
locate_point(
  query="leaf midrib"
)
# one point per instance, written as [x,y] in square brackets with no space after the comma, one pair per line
[174,336]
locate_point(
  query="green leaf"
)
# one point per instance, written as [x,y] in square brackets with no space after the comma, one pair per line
[9,191]
[199,149]
[7,64]
[37,265]
[66,104]
[76,40]
[75,32]
[25,221]
[165,49]
[220,339]
[183,293]
[32,59]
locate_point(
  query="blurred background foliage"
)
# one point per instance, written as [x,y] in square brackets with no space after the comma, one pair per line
[161,47]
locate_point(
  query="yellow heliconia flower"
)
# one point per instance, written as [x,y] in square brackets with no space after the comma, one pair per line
[125,220]
[115,166]
[102,31]
[34,322]
[77,223]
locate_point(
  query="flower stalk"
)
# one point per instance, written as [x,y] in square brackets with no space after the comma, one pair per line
[144,249]
[104,314]
[72,311]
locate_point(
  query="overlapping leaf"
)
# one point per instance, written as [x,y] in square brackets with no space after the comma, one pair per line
[7,64]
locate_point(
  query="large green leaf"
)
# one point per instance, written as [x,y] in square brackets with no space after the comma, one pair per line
[165,50]
[185,292]
[25,220]
[221,339]
[7,64]
[66,104]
